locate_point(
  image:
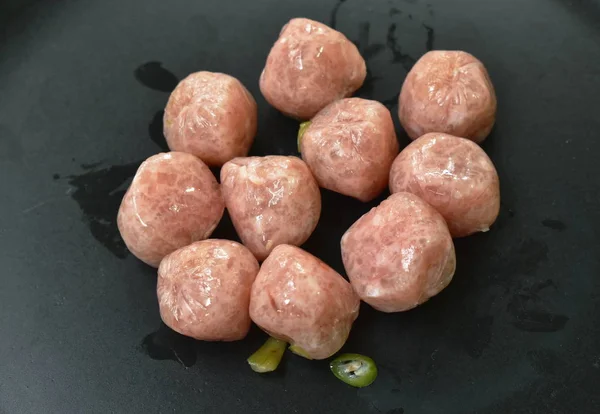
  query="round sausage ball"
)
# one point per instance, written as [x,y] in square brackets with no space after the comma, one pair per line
[204,290]
[212,116]
[448,91]
[455,176]
[299,299]
[271,200]
[399,254]
[173,201]
[350,146]
[310,66]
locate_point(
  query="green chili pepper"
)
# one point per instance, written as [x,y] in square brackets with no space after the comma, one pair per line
[299,351]
[354,369]
[303,127]
[268,356]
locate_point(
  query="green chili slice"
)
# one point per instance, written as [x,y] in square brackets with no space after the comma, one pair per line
[299,351]
[268,356]
[303,127]
[354,369]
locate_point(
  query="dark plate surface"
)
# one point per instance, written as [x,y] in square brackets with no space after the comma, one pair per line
[82,86]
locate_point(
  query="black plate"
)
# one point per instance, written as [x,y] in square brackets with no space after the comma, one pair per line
[82,86]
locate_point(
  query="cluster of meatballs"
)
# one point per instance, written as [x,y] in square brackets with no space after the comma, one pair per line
[397,256]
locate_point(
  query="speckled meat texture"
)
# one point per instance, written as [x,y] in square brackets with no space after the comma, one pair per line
[271,200]
[455,176]
[173,201]
[399,254]
[310,66]
[350,146]
[299,299]
[212,116]
[204,290]
[450,92]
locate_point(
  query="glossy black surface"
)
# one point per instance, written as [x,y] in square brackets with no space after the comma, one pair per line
[82,87]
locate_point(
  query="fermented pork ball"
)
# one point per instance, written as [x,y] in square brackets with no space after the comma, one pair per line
[350,146]
[448,91]
[310,66]
[212,116]
[271,200]
[173,201]
[299,299]
[399,254]
[204,290]
[455,176]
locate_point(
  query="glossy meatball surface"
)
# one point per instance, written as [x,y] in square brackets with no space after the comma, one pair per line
[173,200]
[272,200]
[212,116]
[450,92]
[350,146]
[204,290]
[399,254]
[309,66]
[299,299]
[455,176]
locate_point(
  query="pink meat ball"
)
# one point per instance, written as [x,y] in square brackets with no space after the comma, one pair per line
[310,66]
[173,201]
[350,146]
[271,200]
[399,254]
[204,290]
[212,116]
[455,176]
[450,92]
[299,299]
